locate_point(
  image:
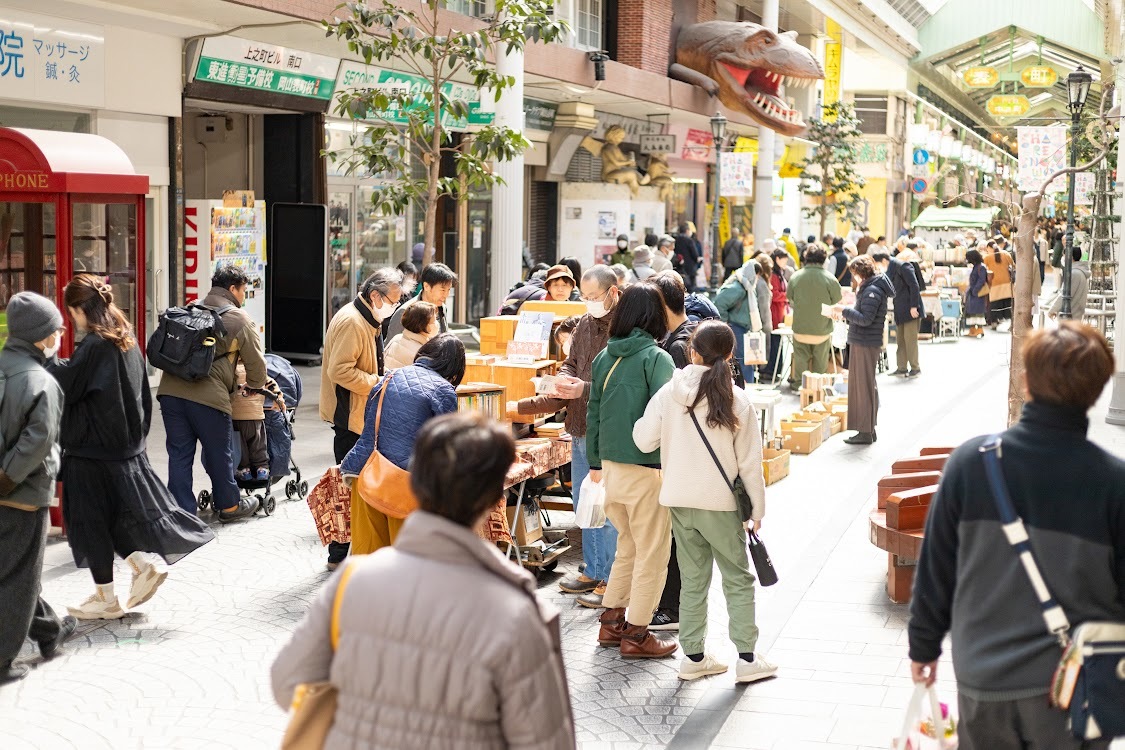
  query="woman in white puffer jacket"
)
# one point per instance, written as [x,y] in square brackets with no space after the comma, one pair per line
[705,519]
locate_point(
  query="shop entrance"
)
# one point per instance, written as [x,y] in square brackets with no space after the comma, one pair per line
[70,203]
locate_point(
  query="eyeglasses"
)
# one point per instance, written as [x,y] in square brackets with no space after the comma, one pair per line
[598,298]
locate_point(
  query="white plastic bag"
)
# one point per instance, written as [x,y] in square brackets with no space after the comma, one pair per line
[918,734]
[591,505]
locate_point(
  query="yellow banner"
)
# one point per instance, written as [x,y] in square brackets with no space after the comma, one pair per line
[833,59]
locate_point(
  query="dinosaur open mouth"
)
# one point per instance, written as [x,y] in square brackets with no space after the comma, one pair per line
[764,88]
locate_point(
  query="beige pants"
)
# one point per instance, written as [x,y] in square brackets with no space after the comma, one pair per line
[644,540]
[907,349]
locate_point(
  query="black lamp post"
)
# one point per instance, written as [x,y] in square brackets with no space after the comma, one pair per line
[718,133]
[1078,88]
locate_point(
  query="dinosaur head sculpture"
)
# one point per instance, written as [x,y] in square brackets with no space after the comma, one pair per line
[749,68]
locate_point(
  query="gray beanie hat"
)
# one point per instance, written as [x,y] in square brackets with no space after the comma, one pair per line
[32,317]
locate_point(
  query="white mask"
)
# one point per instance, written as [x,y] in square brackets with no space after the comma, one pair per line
[53,349]
[566,348]
[623,245]
[597,309]
[384,312]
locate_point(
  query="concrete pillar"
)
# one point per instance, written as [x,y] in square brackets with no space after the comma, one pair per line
[1116,413]
[508,198]
[763,176]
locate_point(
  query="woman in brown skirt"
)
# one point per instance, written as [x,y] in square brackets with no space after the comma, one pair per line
[865,320]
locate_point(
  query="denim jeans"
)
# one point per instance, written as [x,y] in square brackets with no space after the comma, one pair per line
[598,545]
[187,423]
[740,352]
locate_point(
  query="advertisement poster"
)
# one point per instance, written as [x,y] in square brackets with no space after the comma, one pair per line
[607,225]
[737,175]
[532,338]
[1042,151]
[1083,186]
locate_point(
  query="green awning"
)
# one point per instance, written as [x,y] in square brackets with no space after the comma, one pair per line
[958,217]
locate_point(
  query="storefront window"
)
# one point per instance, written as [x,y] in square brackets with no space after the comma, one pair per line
[44,119]
[685,198]
[27,253]
[341,283]
[588,26]
[380,240]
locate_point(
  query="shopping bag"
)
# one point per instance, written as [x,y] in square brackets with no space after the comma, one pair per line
[755,349]
[763,565]
[919,733]
[331,504]
[591,506]
[839,334]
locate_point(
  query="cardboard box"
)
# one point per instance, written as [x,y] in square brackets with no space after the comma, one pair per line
[531,530]
[801,438]
[837,425]
[775,465]
[823,420]
[840,411]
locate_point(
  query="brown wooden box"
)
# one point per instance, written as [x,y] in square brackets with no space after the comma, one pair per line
[496,332]
[939,451]
[907,509]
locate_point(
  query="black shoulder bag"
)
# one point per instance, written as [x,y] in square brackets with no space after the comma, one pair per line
[767,576]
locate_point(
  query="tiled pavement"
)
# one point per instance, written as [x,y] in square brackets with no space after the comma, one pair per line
[190,670]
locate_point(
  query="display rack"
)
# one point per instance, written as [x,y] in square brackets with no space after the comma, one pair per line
[486,398]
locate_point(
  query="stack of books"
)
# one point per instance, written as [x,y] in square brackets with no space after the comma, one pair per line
[551,430]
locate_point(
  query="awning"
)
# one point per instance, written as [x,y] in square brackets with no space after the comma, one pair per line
[955,218]
[60,162]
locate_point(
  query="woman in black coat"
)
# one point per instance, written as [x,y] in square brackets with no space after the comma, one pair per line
[866,321]
[113,502]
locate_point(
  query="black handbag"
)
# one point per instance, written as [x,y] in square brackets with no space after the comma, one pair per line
[767,576]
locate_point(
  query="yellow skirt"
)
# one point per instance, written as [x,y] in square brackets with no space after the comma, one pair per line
[371,530]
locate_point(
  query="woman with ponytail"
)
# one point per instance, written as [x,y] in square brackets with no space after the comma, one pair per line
[113,502]
[705,520]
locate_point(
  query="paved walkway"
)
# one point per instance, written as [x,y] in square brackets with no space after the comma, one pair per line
[190,669]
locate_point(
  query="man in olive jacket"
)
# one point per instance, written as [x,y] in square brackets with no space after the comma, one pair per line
[31,405]
[808,289]
[199,410]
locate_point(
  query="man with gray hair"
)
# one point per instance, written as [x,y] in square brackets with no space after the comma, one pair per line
[662,258]
[352,365]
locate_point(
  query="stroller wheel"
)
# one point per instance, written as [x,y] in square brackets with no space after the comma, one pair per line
[290,489]
[303,489]
[204,500]
[270,505]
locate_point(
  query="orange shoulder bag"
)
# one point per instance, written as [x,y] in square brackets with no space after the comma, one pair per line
[382,485]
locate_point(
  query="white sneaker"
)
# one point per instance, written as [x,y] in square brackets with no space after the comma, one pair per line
[752,671]
[146,579]
[693,670]
[100,606]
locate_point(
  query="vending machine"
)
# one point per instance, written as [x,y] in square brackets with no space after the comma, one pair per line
[218,233]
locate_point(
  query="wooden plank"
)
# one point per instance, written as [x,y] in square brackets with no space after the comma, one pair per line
[919,463]
[893,483]
[938,451]
[907,509]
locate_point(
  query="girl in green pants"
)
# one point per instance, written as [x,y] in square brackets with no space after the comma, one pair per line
[705,518]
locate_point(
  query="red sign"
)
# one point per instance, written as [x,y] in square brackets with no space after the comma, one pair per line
[191,254]
[697,146]
[25,181]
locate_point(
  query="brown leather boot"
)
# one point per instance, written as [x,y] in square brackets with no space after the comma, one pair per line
[638,643]
[613,623]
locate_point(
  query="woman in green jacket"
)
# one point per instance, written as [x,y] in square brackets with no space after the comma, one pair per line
[742,306]
[626,375]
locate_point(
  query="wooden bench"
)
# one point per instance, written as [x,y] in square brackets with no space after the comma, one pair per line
[946,450]
[899,530]
[893,483]
[934,462]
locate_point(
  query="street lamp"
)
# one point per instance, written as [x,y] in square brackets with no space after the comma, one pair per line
[1077,89]
[718,132]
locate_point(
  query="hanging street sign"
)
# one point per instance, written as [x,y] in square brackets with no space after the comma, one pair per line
[1039,76]
[921,156]
[981,77]
[918,185]
[233,61]
[1008,105]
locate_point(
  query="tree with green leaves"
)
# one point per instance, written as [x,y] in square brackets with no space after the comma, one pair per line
[829,175]
[414,122]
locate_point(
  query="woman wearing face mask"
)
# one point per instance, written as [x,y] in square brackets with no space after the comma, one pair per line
[866,321]
[622,256]
[419,325]
[591,334]
[113,502]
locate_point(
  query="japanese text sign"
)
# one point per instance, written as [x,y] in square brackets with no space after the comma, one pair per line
[1039,76]
[358,77]
[265,67]
[1008,105]
[45,59]
[1042,150]
[981,77]
[736,178]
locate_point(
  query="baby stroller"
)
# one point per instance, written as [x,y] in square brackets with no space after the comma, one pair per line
[279,440]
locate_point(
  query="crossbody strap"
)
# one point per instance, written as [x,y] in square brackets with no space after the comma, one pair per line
[615,364]
[338,602]
[710,450]
[1053,615]
[379,409]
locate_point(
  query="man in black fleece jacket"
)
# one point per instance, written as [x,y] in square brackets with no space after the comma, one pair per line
[970,583]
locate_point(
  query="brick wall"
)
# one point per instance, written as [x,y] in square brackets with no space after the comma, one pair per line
[643,29]
[708,10]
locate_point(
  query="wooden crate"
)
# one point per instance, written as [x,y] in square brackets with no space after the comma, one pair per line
[514,378]
[496,332]
[775,465]
[562,310]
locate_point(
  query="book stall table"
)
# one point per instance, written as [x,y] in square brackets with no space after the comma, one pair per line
[531,546]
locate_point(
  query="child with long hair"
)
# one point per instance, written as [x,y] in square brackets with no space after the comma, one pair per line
[113,502]
[705,520]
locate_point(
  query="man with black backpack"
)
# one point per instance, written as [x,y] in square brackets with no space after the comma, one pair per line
[199,410]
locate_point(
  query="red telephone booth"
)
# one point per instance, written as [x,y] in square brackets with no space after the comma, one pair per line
[70,203]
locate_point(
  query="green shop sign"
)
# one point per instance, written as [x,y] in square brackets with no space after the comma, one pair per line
[355,76]
[232,61]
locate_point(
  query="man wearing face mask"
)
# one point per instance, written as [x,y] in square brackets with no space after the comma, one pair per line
[600,293]
[352,364]
[622,256]
[199,410]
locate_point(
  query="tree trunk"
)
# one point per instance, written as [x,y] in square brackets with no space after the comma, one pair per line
[433,171]
[1027,264]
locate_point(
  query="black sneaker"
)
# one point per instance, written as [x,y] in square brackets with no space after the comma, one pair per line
[898,373]
[12,673]
[665,619]
[67,627]
[246,507]
[914,373]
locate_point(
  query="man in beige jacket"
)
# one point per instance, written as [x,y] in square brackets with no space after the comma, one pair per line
[352,365]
